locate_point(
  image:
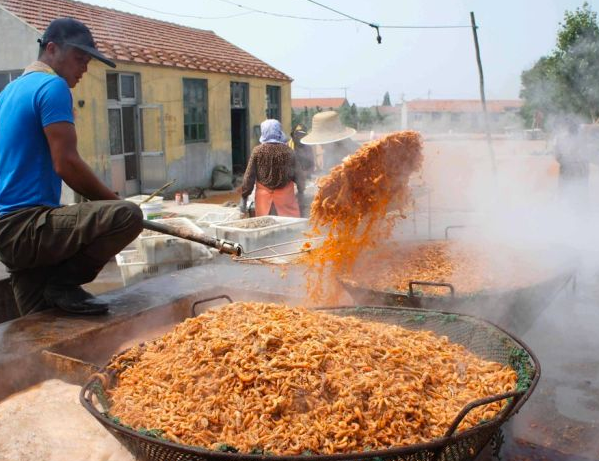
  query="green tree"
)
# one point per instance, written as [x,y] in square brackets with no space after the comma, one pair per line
[296,118]
[365,119]
[378,117]
[565,83]
[353,113]
[348,115]
[386,99]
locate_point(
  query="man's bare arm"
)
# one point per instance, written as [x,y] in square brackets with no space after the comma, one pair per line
[62,139]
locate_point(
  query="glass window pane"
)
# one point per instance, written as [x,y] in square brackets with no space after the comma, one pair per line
[116,139]
[195,109]
[129,129]
[273,98]
[193,115]
[112,86]
[131,167]
[127,86]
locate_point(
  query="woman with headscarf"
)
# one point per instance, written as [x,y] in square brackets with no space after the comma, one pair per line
[273,169]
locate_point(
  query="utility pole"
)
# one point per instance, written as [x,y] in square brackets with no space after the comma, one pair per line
[482,94]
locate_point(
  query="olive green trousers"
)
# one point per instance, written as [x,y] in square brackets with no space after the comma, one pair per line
[63,246]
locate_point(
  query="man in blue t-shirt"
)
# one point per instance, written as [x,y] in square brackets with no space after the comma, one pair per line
[50,250]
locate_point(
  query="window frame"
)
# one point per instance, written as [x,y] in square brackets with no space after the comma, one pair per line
[269,104]
[203,109]
[119,84]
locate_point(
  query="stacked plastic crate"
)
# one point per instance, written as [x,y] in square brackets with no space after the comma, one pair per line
[158,254]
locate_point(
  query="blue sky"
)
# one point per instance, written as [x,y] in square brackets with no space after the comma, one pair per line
[322,57]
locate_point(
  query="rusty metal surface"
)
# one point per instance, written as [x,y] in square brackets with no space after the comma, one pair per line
[69,369]
[162,300]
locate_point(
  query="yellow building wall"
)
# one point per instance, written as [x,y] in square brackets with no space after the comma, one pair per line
[164,85]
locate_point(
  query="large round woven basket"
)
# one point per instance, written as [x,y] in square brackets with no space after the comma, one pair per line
[480,337]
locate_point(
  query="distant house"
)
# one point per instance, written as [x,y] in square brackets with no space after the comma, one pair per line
[180,101]
[319,104]
[458,115]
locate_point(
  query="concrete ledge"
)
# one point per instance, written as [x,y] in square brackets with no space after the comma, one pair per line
[135,310]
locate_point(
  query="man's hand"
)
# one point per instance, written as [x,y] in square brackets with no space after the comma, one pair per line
[62,140]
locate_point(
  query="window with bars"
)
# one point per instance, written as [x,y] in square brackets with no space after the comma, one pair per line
[273,102]
[8,76]
[195,109]
[239,95]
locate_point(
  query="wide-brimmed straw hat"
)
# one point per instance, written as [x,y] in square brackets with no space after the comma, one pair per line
[327,128]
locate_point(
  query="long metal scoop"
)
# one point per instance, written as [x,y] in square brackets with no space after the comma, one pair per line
[223,246]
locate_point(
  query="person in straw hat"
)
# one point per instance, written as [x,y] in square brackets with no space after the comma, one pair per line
[333,136]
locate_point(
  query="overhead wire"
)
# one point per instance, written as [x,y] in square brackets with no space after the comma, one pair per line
[191,16]
[377,27]
[250,10]
[282,15]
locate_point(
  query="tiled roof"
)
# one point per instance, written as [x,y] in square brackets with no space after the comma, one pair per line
[462,105]
[132,38]
[323,103]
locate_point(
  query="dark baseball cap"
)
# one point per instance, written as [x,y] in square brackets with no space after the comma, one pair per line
[69,31]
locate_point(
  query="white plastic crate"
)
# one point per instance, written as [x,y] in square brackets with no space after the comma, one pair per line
[217,217]
[150,209]
[282,230]
[134,269]
[137,199]
[156,248]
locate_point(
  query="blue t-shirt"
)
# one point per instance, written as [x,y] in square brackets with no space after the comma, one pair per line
[27,105]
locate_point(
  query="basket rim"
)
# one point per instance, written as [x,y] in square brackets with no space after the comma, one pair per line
[433,445]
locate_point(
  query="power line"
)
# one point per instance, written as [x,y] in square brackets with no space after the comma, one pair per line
[185,15]
[281,15]
[376,27]
[341,13]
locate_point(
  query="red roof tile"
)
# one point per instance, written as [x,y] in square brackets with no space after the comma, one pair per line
[119,35]
[323,103]
[462,105]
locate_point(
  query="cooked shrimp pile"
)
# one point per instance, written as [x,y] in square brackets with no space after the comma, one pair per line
[265,378]
[468,268]
[351,208]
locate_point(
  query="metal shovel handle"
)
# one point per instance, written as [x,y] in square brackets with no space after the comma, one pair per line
[223,246]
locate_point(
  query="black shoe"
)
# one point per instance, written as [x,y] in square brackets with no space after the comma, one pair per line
[74,300]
